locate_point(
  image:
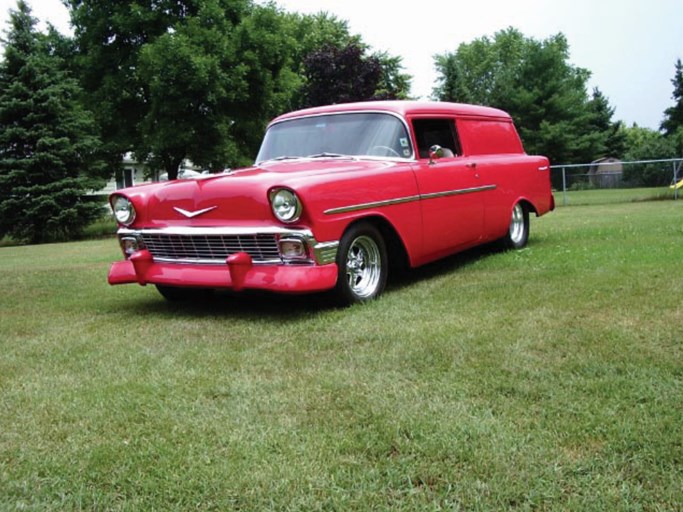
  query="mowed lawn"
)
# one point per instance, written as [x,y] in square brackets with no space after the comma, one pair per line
[545,379]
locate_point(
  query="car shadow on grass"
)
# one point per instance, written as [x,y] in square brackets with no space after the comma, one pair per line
[290,307]
[408,277]
[226,303]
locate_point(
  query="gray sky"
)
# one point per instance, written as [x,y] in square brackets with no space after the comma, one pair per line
[630,46]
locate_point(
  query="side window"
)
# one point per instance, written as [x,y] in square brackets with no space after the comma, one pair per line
[441,132]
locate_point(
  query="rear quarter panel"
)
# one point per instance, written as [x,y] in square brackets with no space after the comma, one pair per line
[517,178]
[494,145]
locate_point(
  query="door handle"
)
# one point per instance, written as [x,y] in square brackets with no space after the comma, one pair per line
[471,165]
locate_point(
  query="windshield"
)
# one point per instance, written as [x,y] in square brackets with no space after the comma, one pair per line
[361,134]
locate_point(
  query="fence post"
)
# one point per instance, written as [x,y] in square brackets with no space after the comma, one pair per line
[564,187]
[677,176]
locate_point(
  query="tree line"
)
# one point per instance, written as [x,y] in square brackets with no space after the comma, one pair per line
[549,100]
[199,79]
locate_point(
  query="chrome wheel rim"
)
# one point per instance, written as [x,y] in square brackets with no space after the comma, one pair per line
[517,224]
[363,266]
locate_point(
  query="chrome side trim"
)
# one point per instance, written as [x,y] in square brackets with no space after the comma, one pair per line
[459,192]
[374,204]
[409,199]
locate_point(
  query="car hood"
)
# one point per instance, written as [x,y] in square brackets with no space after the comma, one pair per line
[242,194]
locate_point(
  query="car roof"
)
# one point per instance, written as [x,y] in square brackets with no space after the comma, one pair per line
[402,108]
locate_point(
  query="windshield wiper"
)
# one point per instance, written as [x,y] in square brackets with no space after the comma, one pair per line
[283,157]
[327,155]
[278,159]
[317,155]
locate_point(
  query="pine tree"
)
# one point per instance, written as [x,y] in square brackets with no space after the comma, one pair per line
[613,138]
[46,143]
[673,116]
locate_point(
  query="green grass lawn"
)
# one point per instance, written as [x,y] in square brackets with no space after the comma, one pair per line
[545,379]
[613,195]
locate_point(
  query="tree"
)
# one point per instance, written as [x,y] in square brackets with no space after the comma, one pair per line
[342,74]
[648,144]
[108,38]
[310,32]
[673,116]
[326,39]
[211,85]
[534,82]
[48,155]
[124,47]
[175,79]
[393,84]
[613,135]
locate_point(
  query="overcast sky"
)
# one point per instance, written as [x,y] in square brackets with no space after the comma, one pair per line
[630,46]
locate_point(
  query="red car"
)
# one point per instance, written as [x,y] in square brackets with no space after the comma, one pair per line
[338,196]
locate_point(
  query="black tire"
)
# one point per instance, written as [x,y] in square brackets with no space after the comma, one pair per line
[180,294]
[518,231]
[362,263]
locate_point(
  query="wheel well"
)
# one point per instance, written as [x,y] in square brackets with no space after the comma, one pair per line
[396,251]
[528,206]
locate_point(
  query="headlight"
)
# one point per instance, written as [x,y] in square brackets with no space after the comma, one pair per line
[123,210]
[285,204]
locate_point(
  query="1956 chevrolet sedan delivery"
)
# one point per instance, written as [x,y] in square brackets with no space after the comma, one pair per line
[337,197]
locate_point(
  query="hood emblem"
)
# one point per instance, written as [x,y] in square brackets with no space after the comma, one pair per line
[196,213]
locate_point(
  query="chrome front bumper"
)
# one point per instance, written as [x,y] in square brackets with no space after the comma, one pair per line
[212,245]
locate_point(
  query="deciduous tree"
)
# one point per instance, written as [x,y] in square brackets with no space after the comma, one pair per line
[342,74]
[532,80]
[171,79]
[647,144]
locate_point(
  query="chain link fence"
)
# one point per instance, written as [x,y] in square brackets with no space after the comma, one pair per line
[612,180]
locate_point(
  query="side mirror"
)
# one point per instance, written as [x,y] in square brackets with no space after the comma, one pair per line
[435,152]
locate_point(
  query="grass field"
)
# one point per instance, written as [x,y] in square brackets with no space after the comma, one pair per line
[545,379]
[613,195]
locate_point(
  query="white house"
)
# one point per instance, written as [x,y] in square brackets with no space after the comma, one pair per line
[136,173]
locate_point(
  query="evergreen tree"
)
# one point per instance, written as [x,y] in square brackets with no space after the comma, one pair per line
[673,116]
[393,84]
[613,143]
[47,150]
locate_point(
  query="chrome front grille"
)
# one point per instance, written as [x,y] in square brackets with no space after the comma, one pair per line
[210,248]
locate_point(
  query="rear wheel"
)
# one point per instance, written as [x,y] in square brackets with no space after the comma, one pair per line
[362,263]
[518,232]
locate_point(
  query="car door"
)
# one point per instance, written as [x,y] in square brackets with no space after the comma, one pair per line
[451,192]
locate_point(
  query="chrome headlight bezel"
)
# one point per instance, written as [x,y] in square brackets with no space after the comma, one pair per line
[124,211]
[286,205]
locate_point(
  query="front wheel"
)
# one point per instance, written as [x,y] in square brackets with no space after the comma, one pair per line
[518,232]
[362,263]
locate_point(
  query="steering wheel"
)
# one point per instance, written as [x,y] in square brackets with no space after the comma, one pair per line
[386,151]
